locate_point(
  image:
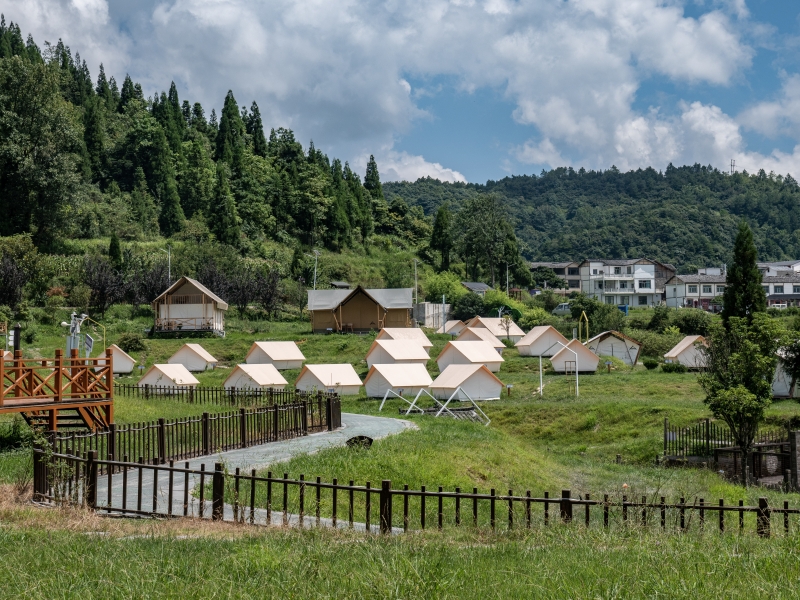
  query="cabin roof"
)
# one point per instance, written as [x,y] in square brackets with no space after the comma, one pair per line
[455,375]
[685,343]
[278,350]
[333,375]
[477,352]
[200,288]
[402,375]
[387,298]
[262,374]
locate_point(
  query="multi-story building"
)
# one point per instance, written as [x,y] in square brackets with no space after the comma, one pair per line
[568,271]
[777,269]
[633,282]
[782,289]
[695,291]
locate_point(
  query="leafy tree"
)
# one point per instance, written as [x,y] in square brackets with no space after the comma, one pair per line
[441,237]
[12,279]
[223,219]
[744,296]
[468,306]
[660,319]
[445,284]
[372,180]
[242,289]
[171,220]
[483,227]
[143,206]
[268,290]
[115,251]
[94,137]
[740,366]
[789,356]
[197,178]
[692,321]
[105,282]
[546,277]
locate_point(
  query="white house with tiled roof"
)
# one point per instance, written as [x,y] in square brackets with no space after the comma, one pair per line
[630,281]
[695,291]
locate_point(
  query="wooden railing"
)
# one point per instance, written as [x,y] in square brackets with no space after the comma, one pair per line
[187,323]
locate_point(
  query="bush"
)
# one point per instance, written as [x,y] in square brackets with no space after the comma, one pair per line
[674,368]
[650,363]
[131,342]
[446,283]
[531,317]
[655,345]
[30,334]
[468,306]
[660,319]
[692,321]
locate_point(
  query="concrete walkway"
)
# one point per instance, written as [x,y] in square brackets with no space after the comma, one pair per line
[246,459]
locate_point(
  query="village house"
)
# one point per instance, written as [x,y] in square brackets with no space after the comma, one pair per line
[477,288]
[695,291]
[625,282]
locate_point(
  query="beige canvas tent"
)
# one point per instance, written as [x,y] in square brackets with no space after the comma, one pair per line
[414,334]
[452,327]
[468,353]
[281,355]
[475,382]
[688,352]
[544,340]
[255,377]
[496,326]
[188,305]
[341,378]
[194,357]
[389,352]
[359,310]
[411,378]
[480,334]
[121,362]
[168,376]
[564,361]
[617,345]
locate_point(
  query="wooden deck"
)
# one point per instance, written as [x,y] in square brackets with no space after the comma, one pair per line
[71,392]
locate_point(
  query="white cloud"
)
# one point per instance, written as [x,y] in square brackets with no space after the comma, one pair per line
[401,166]
[776,117]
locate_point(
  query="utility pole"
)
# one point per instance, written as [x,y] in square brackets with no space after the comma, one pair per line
[416,286]
[733,166]
[514,265]
[316,256]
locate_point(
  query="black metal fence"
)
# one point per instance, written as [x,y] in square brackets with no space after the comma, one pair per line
[220,396]
[704,438]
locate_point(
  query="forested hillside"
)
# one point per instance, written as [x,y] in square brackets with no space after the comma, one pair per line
[686,215]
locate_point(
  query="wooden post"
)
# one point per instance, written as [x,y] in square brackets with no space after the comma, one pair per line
[386,506]
[566,506]
[162,441]
[793,458]
[206,434]
[112,441]
[329,413]
[91,480]
[218,493]
[763,518]
[243,428]
[3,376]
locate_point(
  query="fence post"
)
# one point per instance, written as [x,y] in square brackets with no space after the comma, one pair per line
[112,440]
[665,435]
[39,474]
[162,441]
[243,427]
[304,419]
[218,493]
[91,480]
[794,459]
[763,521]
[566,506]
[329,413]
[386,506]
[147,391]
[275,423]
[206,435]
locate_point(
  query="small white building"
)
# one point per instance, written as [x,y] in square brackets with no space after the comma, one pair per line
[194,357]
[255,377]
[121,361]
[497,327]
[475,382]
[565,361]
[389,352]
[782,382]
[688,352]
[469,353]
[480,334]
[695,291]
[617,345]
[281,355]
[408,378]
[341,378]
[168,376]
[188,305]
[412,334]
[452,327]
[544,340]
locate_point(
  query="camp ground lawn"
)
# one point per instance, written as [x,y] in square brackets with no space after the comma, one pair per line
[552,442]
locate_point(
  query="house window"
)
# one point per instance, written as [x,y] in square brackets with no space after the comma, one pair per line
[617,270]
[629,270]
[598,285]
[706,289]
[644,284]
[574,283]
[594,271]
[778,289]
[625,300]
[720,289]
[573,271]
[623,285]
[796,289]
[642,300]
[692,289]
[610,300]
[766,289]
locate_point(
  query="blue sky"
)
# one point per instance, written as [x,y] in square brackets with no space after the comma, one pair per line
[470,90]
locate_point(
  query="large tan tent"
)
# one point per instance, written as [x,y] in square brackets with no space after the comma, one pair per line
[688,352]
[480,334]
[121,362]
[616,344]
[475,382]
[281,355]
[359,310]
[544,340]
[452,327]
[389,352]
[497,327]
[468,353]
[414,334]
[341,378]
[255,377]
[194,357]
[188,305]
[168,376]
[410,378]
[564,361]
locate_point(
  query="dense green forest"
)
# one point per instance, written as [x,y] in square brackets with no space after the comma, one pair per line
[687,216]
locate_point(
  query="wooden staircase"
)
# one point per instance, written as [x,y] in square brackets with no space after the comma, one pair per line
[76,419]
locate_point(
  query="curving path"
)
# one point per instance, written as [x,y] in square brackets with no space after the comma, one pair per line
[254,457]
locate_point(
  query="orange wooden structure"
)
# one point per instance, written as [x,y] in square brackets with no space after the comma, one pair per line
[61,393]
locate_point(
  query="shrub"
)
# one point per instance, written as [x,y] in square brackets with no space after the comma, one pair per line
[674,368]
[650,363]
[30,334]
[660,318]
[655,345]
[531,317]
[445,283]
[468,306]
[131,342]
[692,321]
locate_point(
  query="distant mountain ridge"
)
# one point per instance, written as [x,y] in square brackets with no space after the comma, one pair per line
[686,216]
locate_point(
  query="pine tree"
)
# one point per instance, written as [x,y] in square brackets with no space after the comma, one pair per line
[103,90]
[94,136]
[230,139]
[171,220]
[223,218]
[128,93]
[255,127]
[115,251]
[743,295]
[372,180]
[442,237]
[143,206]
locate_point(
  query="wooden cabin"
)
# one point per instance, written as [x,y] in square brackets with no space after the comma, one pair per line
[187,305]
[359,310]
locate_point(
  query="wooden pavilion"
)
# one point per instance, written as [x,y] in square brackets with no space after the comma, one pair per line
[188,305]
